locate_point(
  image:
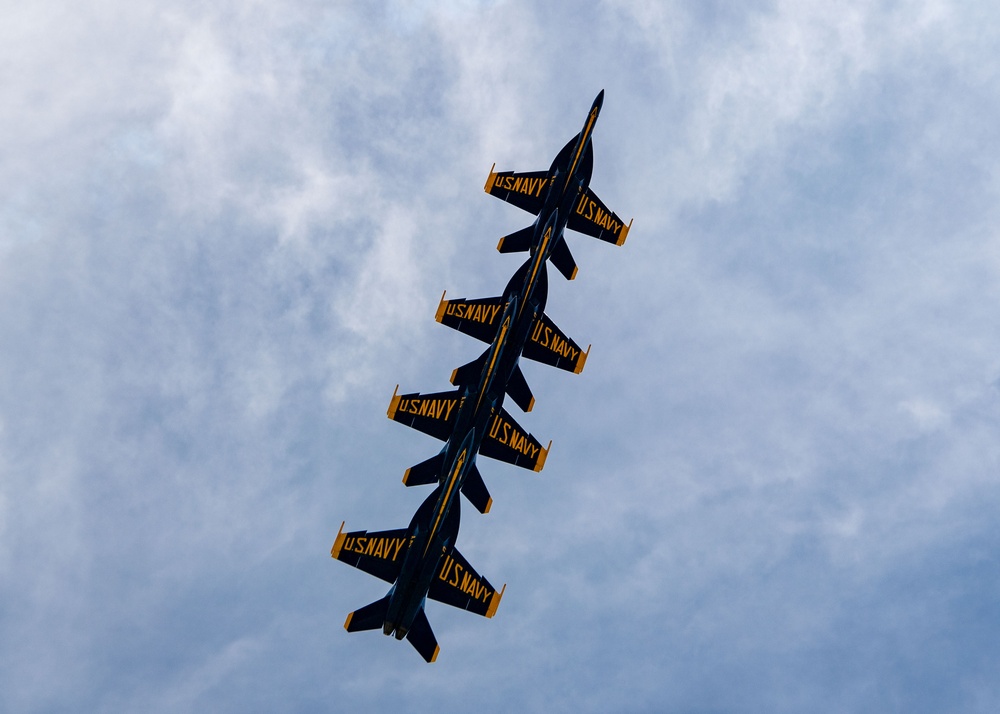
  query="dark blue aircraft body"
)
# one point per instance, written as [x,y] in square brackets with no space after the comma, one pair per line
[421,561]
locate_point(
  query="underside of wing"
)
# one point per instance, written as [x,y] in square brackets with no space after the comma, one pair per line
[378,553]
[524,190]
[505,440]
[548,344]
[433,414]
[478,318]
[591,217]
[456,583]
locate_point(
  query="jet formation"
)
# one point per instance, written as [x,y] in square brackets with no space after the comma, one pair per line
[421,560]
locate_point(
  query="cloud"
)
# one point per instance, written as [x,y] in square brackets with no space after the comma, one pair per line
[222,235]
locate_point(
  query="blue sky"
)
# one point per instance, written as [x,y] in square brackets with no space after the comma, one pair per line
[223,235]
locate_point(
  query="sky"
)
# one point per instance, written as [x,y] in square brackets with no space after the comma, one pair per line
[224,231]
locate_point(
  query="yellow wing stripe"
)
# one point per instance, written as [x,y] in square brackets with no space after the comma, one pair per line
[439,315]
[394,404]
[491,179]
[494,601]
[624,232]
[542,456]
[338,544]
[582,360]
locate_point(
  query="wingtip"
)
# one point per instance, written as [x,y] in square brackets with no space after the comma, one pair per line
[338,544]
[624,233]
[491,178]
[582,360]
[442,306]
[495,602]
[541,459]
[394,403]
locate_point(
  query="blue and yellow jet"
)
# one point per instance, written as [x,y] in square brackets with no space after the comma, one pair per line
[565,188]
[421,561]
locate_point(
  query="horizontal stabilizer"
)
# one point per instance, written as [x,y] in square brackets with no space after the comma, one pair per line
[470,372]
[422,637]
[505,440]
[517,388]
[379,553]
[591,217]
[563,259]
[517,242]
[478,318]
[524,190]
[475,490]
[425,472]
[548,344]
[370,617]
[433,414]
[456,583]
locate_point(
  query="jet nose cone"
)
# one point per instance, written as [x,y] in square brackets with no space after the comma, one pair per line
[599,102]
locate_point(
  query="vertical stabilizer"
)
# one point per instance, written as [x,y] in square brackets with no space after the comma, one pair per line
[422,637]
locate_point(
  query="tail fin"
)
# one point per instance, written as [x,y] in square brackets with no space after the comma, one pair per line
[422,637]
[563,259]
[518,241]
[370,617]
[425,472]
[470,372]
[475,490]
[517,388]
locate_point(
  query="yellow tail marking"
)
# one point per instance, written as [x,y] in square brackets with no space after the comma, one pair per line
[541,458]
[338,544]
[347,622]
[573,276]
[441,307]
[394,404]
[500,245]
[582,360]
[405,477]
[437,648]
[495,601]
[454,373]
[489,504]
[491,179]
[624,233]
[531,405]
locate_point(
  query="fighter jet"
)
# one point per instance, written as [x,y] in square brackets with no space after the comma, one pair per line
[514,324]
[420,561]
[565,188]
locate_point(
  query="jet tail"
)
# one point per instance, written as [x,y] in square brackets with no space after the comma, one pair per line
[475,490]
[421,636]
[518,389]
[470,372]
[520,242]
[563,259]
[370,617]
[425,472]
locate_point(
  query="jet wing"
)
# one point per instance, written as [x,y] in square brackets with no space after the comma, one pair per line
[379,553]
[478,318]
[591,217]
[433,414]
[524,190]
[505,440]
[459,585]
[546,343]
